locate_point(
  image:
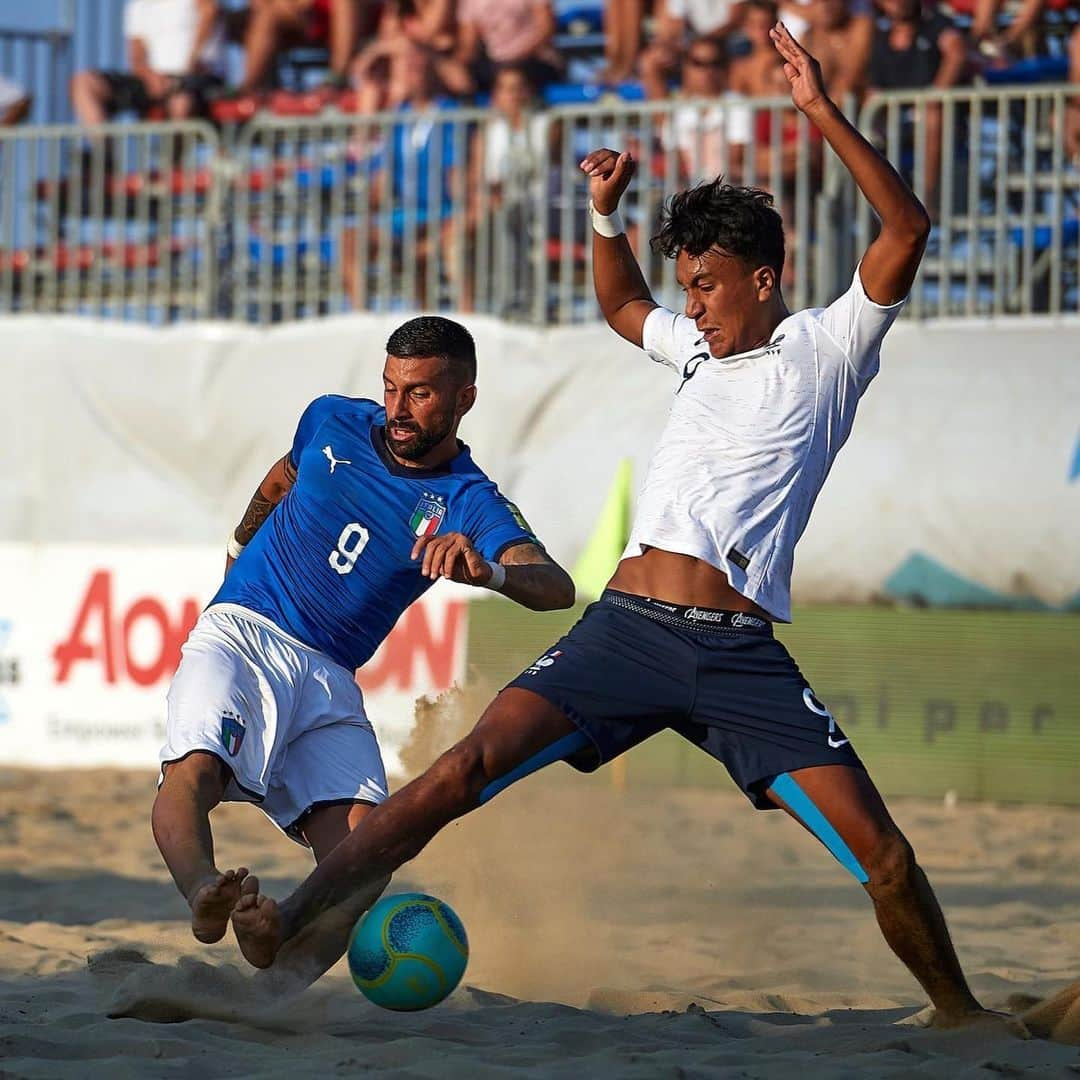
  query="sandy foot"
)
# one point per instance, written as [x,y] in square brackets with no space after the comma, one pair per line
[212,904]
[257,924]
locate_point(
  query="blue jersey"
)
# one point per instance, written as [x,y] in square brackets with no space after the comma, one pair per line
[331,564]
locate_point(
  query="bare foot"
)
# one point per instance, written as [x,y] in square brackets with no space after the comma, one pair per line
[212,903]
[257,924]
[989,1020]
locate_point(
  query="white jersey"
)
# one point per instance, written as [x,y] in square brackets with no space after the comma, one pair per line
[751,438]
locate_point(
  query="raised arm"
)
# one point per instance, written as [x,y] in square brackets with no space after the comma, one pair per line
[890,262]
[525,572]
[274,487]
[621,291]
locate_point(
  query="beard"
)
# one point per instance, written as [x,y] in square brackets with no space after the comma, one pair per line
[421,441]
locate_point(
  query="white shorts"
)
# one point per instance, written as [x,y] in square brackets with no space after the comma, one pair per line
[287,720]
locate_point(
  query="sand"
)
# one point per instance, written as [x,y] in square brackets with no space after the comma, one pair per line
[651,933]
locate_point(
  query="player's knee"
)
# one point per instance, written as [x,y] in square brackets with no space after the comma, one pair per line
[461,776]
[200,775]
[890,864]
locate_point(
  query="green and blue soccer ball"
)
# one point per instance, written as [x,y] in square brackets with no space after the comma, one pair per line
[408,952]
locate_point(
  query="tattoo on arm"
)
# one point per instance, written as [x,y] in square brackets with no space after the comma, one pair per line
[257,512]
[269,493]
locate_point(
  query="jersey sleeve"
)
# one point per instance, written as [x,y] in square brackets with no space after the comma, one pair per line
[313,417]
[666,336]
[494,524]
[858,325]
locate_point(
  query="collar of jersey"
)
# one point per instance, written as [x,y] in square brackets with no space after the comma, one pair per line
[378,443]
[759,351]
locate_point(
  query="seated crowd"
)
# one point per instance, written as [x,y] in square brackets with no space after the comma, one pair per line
[176,48]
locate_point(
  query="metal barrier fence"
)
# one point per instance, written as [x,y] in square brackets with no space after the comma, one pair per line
[990,166]
[122,225]
[452,210]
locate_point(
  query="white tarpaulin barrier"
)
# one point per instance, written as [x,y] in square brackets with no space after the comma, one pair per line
[130,453]
[963,463]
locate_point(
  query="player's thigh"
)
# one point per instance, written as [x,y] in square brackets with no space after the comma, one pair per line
[514,728]
[338,765]
[226,698]
[842,807]
[619,676]
[326,826]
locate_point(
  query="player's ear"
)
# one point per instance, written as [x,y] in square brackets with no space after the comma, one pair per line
[466,399]
[764,283]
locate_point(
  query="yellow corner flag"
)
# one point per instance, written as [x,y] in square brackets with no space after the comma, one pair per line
[601,555]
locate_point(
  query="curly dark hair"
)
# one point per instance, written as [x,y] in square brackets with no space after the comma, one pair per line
[432,335]
[741,221]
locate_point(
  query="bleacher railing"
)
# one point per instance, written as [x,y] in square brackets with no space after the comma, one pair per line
[1005,202]
[292,218]
[123,224]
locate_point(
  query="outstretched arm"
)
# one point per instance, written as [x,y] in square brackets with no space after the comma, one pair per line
[270,492]
[621,291]
[890,262]
[528,575]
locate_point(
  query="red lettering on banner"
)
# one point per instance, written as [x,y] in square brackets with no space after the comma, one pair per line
[112,639]
[97,602]
[414,637]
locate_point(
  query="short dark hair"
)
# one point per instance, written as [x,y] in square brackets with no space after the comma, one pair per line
[739,220]
[432,335]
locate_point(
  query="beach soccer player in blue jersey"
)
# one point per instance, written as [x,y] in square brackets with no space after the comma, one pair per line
[762,400]
[371,505]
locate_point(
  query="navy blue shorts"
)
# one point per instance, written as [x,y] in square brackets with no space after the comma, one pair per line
[632,667]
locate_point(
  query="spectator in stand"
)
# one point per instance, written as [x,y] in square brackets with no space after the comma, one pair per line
[700,131]
[176,54]
[1010,42]
[410,32]
[913,50]
[412,182]
[14,102]
[1072,107]
[623,20]
[841,38]
[759,71]
[274,25]
[675,21]
[508,159]
[496,32]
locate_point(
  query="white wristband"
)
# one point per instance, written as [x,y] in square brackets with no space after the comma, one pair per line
[609,225]
[498,576]
[234,547]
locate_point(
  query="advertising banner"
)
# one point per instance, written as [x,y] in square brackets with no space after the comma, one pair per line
[90,637]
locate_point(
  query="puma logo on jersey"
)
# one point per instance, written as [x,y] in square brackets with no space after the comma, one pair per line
[334,462]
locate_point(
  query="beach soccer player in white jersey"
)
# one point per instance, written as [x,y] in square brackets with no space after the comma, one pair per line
[371,505]
[763,399]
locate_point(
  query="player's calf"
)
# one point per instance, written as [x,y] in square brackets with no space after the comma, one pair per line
[889,865]
[180,820]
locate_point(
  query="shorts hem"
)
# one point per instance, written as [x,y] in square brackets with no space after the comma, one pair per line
[292,831]
[252,794]
[577,760]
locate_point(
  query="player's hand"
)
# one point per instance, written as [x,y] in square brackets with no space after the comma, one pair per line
[609,173]
[451,556]
[802,70]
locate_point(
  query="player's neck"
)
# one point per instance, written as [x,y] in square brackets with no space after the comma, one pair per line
[756,337]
